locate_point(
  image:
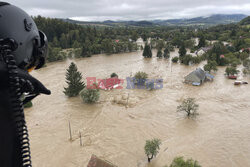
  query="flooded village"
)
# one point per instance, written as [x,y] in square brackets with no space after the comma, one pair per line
[107,83]
[116,131]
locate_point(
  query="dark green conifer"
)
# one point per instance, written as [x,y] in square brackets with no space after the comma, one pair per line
[147,53]
[73,79]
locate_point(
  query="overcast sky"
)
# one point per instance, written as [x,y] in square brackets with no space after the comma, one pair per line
[99,10]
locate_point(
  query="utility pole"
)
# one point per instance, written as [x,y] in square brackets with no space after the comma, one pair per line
[127,101]
[70,135]
[80,138]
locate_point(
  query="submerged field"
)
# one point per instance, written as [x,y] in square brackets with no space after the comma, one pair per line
[218,137]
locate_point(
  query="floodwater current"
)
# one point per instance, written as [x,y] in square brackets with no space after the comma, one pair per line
[116,131]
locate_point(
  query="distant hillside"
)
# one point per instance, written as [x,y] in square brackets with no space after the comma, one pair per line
[204,21]
[211,20]
[245,21]
[111,23]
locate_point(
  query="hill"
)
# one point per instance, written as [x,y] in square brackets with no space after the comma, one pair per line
[211,20]
[197,21]
[245,21]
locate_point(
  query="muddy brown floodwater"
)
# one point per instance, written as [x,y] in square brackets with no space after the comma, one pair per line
[218,137]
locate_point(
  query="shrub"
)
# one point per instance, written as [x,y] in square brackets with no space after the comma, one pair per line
[90,95]
[141,75]
[150,85]
[180,162]
[175,59]
[140,78]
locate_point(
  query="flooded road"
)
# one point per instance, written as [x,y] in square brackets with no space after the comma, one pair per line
[218,137]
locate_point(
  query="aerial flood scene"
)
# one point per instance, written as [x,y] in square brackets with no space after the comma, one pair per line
[125,89]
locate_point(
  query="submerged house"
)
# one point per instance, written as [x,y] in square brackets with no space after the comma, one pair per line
[196,77]
[203,50]
[97,162]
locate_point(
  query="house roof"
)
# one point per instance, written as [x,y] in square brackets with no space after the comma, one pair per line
[198,73]
[205,49]
[97,162]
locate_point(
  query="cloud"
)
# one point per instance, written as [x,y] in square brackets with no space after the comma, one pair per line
[131,9]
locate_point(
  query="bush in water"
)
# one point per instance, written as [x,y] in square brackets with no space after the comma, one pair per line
[90,95]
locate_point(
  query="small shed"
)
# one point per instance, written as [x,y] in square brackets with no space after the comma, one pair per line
[97,162]
[197,76]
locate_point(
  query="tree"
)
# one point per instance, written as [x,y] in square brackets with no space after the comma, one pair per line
[55,54]
[107,46]
[159,54]
[90,95]
[202,41]
[180,162]
[151,148]
[218,50]
[144,37]
[55,42]
[85,51]
[189,106]
[147,53]
[211,65]
[233,33]
[134,36]
[113,75]
[73,79]
[186,59]
[175,59]
[189,43]
[239,44]
[76,45]
[246,64]
[63,41]
[159,44]
[166,53]
[231,71]
[182,51]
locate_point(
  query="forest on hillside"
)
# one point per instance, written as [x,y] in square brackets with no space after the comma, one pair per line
[84,41]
